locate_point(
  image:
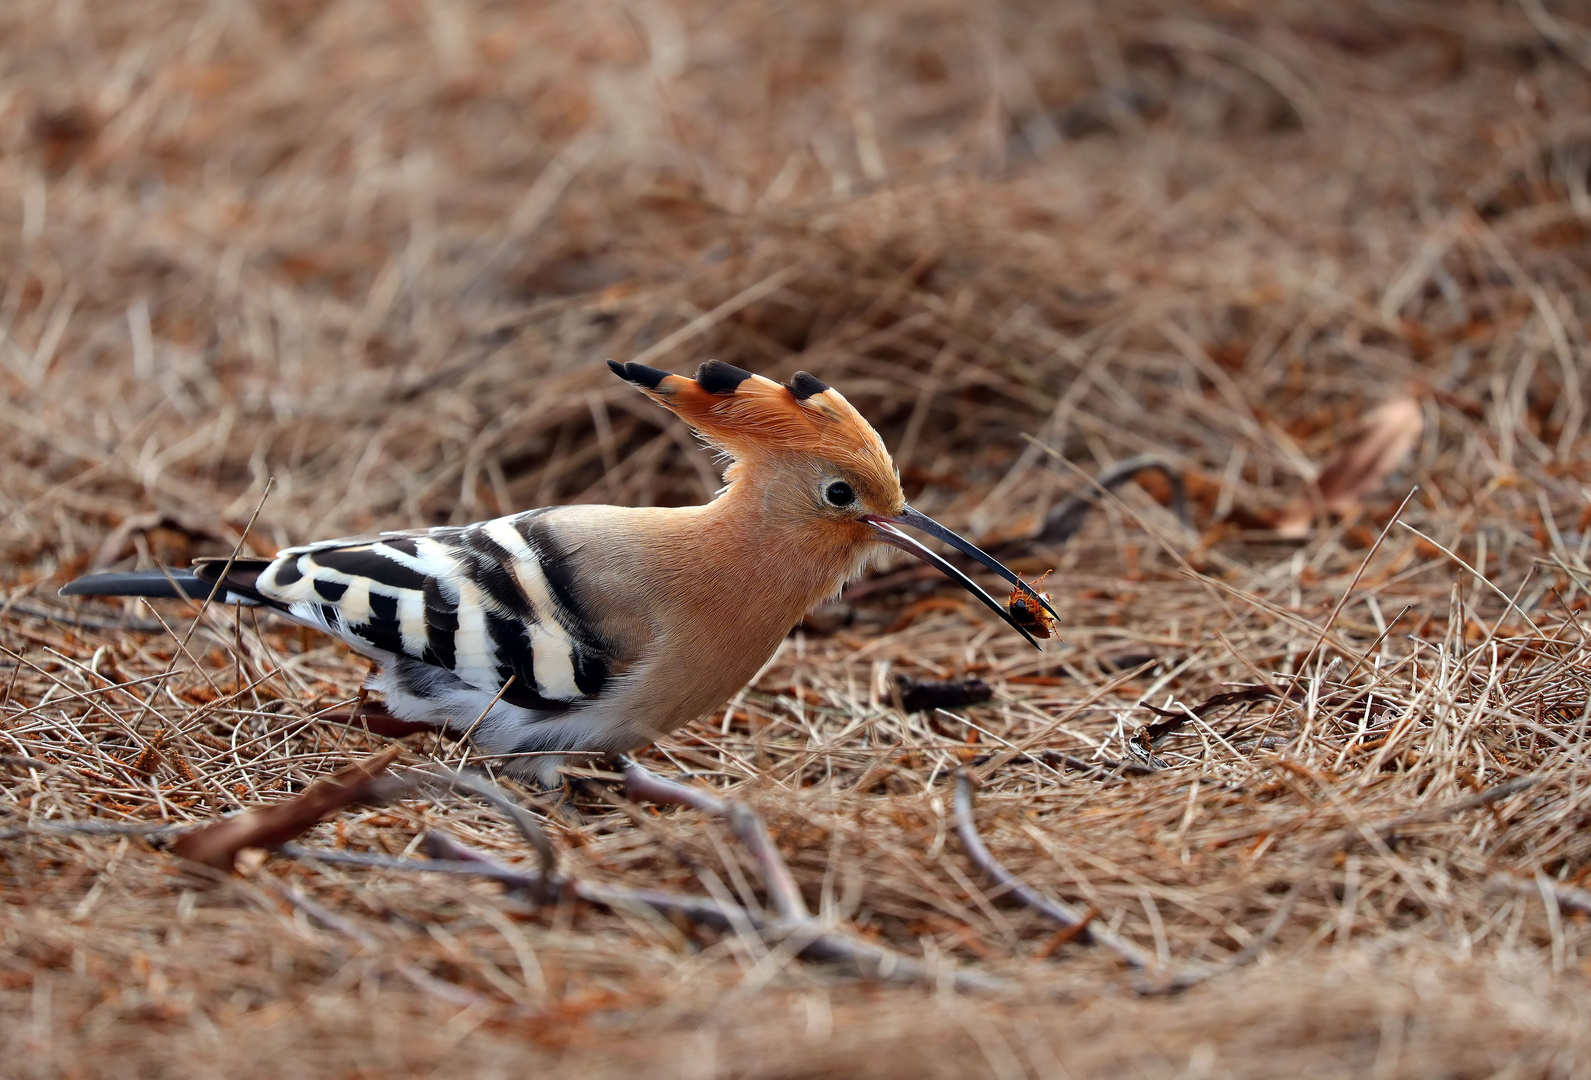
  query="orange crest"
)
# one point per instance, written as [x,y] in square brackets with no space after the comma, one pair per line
[749,416]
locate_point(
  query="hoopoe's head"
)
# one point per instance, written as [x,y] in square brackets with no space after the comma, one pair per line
[818,457]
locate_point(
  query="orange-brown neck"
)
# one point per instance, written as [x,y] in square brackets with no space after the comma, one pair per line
[771,548]
[749,564]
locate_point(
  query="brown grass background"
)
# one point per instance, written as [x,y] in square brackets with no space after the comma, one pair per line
[377,251]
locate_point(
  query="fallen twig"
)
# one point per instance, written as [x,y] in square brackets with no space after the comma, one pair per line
[79,621]
[218,843]
[1079,925]
[1568,897]
[1111,768]
[454,857]
[643,785]
[1387,830]
[1067,517]
[793,918]
[93,828]
[433,779]
[791,922]
[1177,719]
[1060,911]
[1102,769]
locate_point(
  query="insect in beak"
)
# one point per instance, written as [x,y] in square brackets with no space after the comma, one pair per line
[1025,607]
[888,531]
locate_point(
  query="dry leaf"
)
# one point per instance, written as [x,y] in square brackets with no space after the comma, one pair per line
[1359,466]
[218,845]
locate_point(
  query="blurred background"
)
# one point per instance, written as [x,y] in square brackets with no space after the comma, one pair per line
[379,250]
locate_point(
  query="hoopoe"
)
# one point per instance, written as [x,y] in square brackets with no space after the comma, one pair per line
[598,629]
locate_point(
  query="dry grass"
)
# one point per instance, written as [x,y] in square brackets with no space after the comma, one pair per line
[377,251]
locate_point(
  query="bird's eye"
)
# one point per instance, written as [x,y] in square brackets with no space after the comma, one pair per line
[839,493]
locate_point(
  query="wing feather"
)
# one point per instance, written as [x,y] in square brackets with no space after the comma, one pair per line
[488,603]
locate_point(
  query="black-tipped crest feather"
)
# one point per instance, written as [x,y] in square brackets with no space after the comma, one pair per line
[803,385]
[639,374]
[717,377]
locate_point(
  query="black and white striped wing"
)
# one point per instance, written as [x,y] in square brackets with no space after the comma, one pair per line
[487,602]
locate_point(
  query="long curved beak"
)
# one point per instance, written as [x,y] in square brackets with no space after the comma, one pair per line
[888,531]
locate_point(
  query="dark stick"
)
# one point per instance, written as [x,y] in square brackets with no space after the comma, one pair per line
[1105,770]
[434,779]
[454,856]
[1063,521]
[1458,806]
[1389,829]
[92,828]
[1062,913]
[1081,923]
[1177,719]
[1567,897]
[794,920]
[643,785]
[1109,767]
[458,859]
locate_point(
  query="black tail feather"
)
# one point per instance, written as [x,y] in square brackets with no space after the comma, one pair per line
[154,585]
